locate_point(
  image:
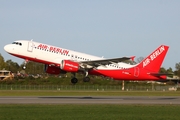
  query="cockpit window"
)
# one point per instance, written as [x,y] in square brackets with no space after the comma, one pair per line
[17,43]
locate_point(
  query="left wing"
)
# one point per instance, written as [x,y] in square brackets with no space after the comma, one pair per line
[103,62]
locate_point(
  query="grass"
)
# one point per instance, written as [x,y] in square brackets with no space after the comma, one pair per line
[85,93]
[90,112]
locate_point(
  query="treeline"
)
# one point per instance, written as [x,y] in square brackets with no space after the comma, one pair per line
[31,68]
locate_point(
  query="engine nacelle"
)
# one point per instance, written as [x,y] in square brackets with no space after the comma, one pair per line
[69,66]
[52,69]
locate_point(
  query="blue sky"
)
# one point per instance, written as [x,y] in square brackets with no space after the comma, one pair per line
[109,28]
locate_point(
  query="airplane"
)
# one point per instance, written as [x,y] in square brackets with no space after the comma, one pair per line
[59,60]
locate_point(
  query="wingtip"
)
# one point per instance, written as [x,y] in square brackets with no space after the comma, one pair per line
[132,58]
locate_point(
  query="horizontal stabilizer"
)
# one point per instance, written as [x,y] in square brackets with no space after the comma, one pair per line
[160,74]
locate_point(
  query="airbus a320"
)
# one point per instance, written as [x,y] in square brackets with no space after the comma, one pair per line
[60,60]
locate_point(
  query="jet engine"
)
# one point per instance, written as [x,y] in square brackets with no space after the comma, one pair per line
[70,66]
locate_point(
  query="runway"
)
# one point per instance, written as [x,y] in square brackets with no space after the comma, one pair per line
[90,100]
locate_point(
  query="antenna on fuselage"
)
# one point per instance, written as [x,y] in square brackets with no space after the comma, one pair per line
[31,39]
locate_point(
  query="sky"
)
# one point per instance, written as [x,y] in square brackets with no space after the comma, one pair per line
[109,28]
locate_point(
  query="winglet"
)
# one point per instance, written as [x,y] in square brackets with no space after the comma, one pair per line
[132,58]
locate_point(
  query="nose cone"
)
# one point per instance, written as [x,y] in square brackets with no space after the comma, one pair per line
[7,48]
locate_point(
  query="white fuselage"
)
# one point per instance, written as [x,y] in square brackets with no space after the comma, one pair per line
[49,54]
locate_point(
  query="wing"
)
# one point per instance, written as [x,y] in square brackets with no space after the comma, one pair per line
[103,62]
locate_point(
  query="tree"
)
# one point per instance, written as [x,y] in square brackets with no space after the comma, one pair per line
[169,70]
[33,68]
[2,63]
[140,59]
[12,66]
[162,70]
[177,71]
[177,66]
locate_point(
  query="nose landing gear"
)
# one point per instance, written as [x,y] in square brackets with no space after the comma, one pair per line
[25,62]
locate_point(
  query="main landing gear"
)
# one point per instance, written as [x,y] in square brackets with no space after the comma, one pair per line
[74,80]
[86,78]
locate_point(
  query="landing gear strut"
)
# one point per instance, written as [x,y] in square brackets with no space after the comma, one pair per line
[86,78]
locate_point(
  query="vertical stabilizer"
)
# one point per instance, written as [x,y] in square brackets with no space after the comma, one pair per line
[154,61]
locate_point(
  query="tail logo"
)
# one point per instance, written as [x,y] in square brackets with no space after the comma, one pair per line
[153,56]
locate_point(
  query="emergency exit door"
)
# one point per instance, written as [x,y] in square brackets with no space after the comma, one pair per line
[136,71]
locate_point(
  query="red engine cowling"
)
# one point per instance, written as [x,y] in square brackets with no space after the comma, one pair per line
[69,66]
[52,69]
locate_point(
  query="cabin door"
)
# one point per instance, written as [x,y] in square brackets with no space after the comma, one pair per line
[30,46]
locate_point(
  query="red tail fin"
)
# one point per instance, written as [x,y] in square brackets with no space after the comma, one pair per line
[154,60]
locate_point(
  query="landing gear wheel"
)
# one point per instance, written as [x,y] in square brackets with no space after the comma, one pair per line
[74,80]
[86,79]
[24,67]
